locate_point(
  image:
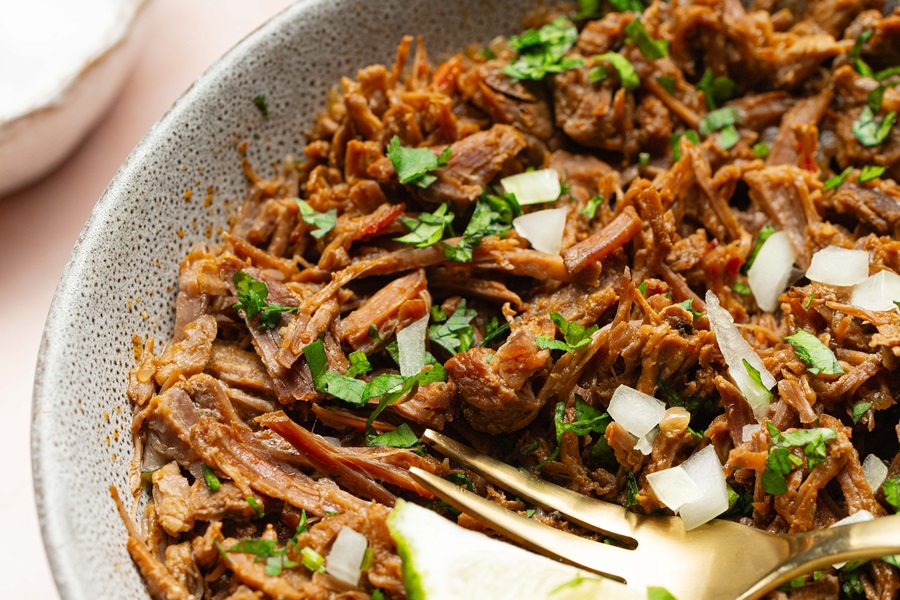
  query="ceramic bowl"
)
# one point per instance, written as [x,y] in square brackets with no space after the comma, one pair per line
[175,189]
[62,64]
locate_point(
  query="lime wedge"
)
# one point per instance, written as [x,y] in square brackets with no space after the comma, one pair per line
[443,561]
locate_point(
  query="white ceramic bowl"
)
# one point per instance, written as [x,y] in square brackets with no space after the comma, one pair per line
[62,63]
[122,274]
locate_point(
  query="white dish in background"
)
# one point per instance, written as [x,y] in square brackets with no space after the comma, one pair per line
[62,63]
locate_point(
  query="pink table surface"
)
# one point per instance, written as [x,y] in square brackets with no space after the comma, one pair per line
[39,225]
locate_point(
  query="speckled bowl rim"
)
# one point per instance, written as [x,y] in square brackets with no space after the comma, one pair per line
[63,564]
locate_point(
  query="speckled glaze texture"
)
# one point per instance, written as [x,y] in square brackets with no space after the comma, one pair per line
[122,276]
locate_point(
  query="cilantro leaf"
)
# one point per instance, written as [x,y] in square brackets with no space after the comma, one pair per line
[454,334]
[587,9]
[493,216]
[414,165]
[359,364]
[627,75]
[741,288]
[892,492]
[258,547]
[428,228]
[859,409]
[815,353]
[627,5]
[260,513]
[871,131]
[675,142]
[688,305]
[857,47]
[435,374]
[719,119]
[760,150]
[252,300]
[323,222]
[543,51]
[814,442]
[779,463]
[870,172]
[668,84]
[262,105]
[591,206]
[729,136]
[631,488]
[716,90]
[574,335]
[761,238]
[212,481]
[493,330]
[837,180]
[331,382]
[885,73]
[649,47]
[402,437]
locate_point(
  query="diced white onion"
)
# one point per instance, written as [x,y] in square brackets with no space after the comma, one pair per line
[875,471]
[748,431]
[533,187]
[838,266]
[645,444]
[543,229]
[673,487]
[771,271]
[878,292]
[411,347]
[346,556]
[637,412]
[706,472]
[735,349]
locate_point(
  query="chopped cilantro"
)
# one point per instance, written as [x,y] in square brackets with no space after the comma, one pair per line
[864,69]
[838,179]
[359,364]
[262,105]
[716,90]
[870,172]
[675,142]
[587,9]
[644,159]
[591,206]
[779,463]
[627,75]
[254,546]
[574,335]
[892,492]
[402,437]
[428,228]
[377,595]
[389,396]
[688,305]
[587,420]
[631,488]
[739,503]
[414,165]
[373,333]
[627,5]
[543,51]
[212,481]
[859,409]
[871,131]
[642,288]
[873,100]
[574,582]
[493,216]
[265,551]
[718,119]
[493,331]
[252,300]
[780,460]
[331,382]
[741,288]
[454,334]
[809,300]
[857,47]
[668,84]
[728,137]
[885,73]
[815,353]
[323,222]
[760,150]
[597,74]
[649,47]
[761,238]
[260,513]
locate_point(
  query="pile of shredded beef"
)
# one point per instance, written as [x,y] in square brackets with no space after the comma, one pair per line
[242,433]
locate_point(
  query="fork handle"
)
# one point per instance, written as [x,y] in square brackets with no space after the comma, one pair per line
[825,547]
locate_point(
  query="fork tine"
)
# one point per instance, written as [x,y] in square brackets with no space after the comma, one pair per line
[603,559]
[596,515]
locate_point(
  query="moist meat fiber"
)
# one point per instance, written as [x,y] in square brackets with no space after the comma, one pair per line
[671,146]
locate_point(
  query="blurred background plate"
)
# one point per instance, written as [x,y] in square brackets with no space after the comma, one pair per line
[62,63]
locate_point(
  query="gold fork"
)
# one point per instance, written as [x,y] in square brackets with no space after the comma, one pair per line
[717,561]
